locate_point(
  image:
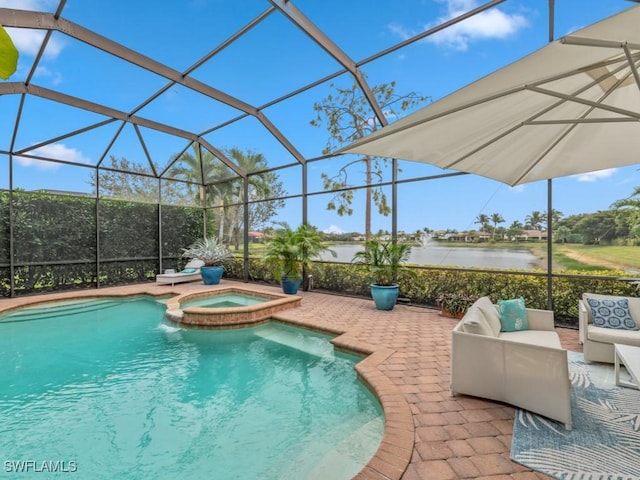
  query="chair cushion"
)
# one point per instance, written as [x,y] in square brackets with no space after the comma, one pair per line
[543,338]
[612,313]
[613,335]
[490,313]
[195,263]
[188,270]
[513,315]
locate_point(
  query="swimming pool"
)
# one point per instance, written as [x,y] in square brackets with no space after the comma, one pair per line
[112,390]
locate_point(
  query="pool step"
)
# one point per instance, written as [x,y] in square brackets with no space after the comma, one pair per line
[350,452]
[315,346]
[43,312]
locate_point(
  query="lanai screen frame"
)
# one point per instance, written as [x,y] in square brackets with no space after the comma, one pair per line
[55,22]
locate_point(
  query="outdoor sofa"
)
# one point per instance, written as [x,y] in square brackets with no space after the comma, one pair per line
[528,369]
[190,273]
[597,341]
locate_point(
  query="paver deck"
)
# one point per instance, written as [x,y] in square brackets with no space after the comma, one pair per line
[441,437]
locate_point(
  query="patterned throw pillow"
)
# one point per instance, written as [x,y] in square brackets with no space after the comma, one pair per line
[612,313]
[513,315]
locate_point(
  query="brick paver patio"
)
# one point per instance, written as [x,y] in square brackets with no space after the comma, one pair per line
[439,436]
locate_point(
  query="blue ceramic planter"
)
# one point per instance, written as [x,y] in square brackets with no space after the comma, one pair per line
[384,296]
[290,287]
[211,275]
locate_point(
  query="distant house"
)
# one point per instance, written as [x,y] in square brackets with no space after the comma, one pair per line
[256,237]
[480,236]
[531,235]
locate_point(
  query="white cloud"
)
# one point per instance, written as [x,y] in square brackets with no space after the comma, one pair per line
[54,150]
[490,24]
[593,176]
[27,40]
[37,5]
[44,72]
[517,189]
[333,229]
[400,31]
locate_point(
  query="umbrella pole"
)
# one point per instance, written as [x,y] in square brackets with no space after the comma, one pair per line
[549,244]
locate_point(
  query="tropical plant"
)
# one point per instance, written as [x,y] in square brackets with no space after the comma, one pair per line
[209,250]
[384,259]
[288,252]
[455,304]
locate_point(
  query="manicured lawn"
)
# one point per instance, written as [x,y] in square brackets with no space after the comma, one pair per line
[616,254]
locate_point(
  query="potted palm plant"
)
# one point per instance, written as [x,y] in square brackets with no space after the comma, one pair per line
[384,260]
[213,253]
[289,252]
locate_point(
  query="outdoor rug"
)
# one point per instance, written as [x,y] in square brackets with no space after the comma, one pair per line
[605,440]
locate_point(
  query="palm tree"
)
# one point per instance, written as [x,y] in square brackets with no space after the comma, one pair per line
[496,218]
[556,215]
[483,221]
[628,210]
[535,220]
[197,167]
[260,186]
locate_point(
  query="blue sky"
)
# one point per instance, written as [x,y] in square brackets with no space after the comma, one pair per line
[268,62]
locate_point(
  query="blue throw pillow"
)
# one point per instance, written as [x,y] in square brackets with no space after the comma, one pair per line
[189,270]
[612,313]
[513,315]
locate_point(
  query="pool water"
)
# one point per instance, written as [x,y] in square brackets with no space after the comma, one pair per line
[224,300]
[114,392]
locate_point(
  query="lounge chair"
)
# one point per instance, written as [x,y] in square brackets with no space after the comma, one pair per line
[190,273]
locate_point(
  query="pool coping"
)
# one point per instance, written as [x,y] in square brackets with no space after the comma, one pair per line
[393,455]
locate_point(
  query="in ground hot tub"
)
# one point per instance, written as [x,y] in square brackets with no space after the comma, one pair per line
[227,307]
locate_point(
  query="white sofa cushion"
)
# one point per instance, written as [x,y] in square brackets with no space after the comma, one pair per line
[490,313]
[613,335]
[475,322]
[543,338]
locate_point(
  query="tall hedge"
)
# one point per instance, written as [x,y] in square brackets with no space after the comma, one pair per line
[56,242]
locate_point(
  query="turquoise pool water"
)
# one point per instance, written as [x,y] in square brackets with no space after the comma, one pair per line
[107,390]
[224,300]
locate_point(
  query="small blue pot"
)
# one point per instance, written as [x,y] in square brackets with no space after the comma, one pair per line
[211,275]
[384,296]
[289,286]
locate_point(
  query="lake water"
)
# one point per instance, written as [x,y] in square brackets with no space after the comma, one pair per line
[451,256]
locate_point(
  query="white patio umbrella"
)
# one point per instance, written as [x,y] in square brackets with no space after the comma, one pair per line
[571,107]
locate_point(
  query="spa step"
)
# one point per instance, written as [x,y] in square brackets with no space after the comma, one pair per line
[316,346]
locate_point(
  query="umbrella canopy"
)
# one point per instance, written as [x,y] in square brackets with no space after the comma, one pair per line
[571,107]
